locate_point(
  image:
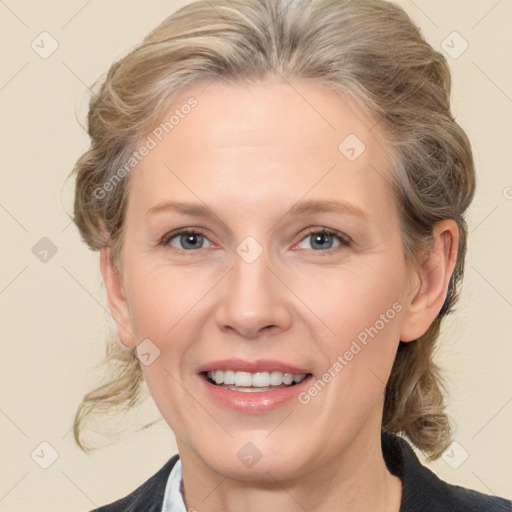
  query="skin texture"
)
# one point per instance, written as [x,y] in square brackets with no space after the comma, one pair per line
[251,153]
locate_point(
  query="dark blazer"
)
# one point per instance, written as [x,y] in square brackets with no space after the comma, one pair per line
[422,490]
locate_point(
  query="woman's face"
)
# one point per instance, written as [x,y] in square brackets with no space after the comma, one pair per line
[292,264]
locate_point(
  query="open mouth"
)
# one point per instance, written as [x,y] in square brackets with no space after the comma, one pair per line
[253,382]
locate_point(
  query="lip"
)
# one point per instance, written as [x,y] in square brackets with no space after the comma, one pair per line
[258,402]
[243,365]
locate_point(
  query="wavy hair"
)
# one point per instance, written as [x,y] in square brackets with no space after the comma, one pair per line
[369,50]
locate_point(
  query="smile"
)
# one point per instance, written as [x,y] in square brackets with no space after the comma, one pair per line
[254,382]
[253,386]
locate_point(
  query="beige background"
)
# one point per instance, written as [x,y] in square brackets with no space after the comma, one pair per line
[53,318]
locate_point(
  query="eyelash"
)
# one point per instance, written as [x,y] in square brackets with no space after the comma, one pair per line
[345,240]
[169,236]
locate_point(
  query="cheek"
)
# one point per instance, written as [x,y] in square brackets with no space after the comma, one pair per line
[168,307]
[160,299]
[165,308]
[350,301]
[361,308]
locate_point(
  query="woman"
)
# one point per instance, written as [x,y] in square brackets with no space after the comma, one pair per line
[277,190]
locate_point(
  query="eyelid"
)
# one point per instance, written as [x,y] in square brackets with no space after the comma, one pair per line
[316,229]
[182,231]
[345,240]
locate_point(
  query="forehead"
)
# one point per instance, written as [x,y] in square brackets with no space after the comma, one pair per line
[261,144]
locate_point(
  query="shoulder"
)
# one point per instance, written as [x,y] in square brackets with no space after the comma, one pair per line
[423,491]
[148,497]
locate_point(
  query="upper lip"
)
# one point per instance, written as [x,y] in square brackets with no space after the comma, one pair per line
[244,365]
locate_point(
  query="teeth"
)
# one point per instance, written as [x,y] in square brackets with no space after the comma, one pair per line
[256,380]
[229,377]
[241,379]
[287,378]
[275,378]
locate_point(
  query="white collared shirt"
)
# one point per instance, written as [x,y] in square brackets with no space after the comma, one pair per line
[173,497]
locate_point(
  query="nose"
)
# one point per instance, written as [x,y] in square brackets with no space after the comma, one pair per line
[253,301]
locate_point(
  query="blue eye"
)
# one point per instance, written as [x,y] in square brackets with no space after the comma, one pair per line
[186,240]
[318,240]
[322,240]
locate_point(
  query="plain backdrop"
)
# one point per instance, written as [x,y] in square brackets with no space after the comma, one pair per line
[53,306]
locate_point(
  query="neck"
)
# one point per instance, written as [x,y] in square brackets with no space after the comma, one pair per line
[355,480]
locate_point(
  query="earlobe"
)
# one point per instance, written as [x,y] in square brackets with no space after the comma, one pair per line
[432,278]
[117,302]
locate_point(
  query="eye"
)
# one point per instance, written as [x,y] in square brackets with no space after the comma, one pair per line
[186,240]
[323,240]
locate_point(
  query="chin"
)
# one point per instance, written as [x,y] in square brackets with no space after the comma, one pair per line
[252,457]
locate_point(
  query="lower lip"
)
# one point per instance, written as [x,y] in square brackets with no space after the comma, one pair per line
[254,402]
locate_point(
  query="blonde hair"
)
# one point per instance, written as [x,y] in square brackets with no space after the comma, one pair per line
[370,51]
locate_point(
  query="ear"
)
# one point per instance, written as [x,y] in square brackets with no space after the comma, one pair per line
[430,281]
[116,298]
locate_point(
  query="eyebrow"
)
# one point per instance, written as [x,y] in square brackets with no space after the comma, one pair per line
[316,206]
[194,209]
[300,208]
